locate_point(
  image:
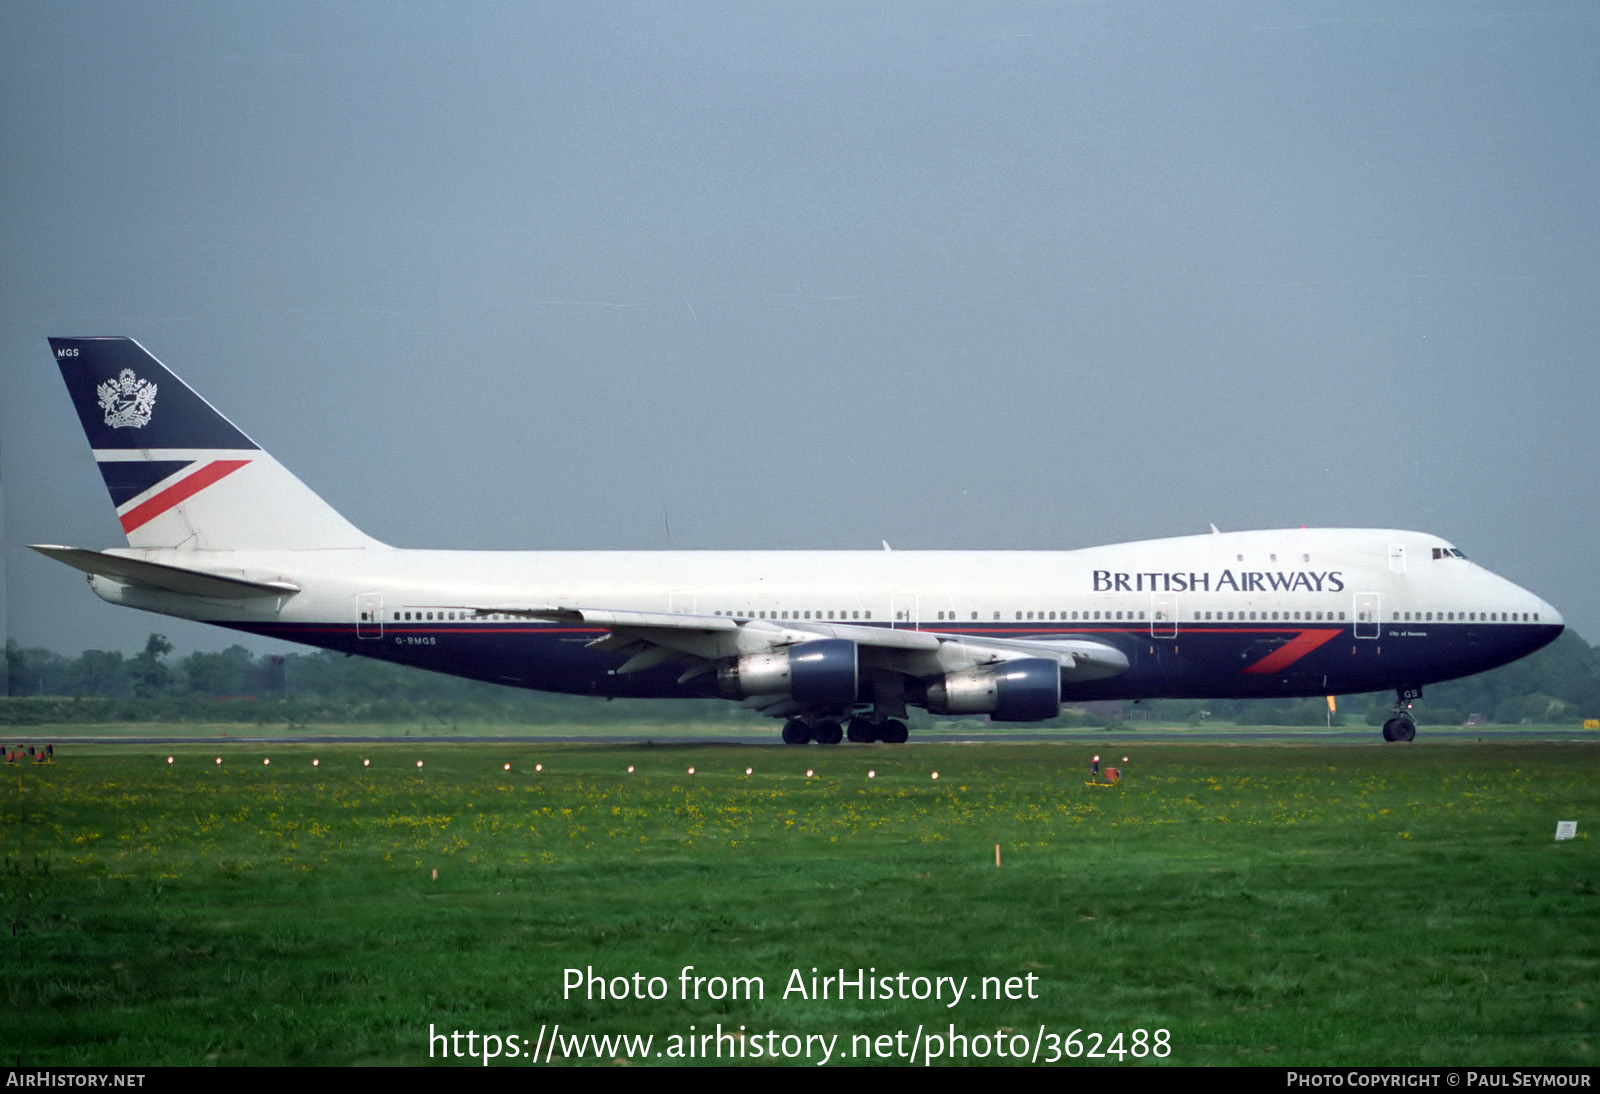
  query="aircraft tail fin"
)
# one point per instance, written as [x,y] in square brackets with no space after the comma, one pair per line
[179,473]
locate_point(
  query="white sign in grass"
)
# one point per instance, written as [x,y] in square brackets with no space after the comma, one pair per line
[1566,829]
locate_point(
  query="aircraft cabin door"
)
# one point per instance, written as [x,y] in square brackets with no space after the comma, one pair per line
[1163,616]
[1368,617]
[903,612]
[369,615]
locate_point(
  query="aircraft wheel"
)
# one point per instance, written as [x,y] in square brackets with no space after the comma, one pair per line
[1399,729]
[893,733]
[827,733]
[796,732]
[861,731]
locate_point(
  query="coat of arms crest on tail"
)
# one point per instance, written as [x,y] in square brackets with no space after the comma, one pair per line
[127,400]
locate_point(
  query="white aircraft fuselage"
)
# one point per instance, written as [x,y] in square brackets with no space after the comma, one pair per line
[222,534]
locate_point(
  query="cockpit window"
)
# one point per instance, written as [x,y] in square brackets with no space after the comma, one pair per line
[1447,552]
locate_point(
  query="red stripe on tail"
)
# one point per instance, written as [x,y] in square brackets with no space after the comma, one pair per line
[179,492]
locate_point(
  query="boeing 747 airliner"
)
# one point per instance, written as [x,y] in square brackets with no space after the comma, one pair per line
[837,643]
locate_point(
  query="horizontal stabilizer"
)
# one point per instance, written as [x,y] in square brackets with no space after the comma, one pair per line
[159,575]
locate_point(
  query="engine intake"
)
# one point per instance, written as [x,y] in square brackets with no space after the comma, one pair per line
[825,671]
[1026,690]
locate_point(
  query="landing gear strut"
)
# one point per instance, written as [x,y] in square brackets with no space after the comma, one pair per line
[1402,726]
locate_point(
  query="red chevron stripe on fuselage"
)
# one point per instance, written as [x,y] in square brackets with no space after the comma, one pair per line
[1291,651]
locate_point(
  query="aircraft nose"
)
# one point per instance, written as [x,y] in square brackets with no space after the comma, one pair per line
[1548,613]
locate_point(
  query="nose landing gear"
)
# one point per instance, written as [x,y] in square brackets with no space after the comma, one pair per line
[1402,726]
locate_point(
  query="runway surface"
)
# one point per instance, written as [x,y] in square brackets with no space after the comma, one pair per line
[1088,738]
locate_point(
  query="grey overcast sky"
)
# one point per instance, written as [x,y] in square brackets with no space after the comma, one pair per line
[1031,275]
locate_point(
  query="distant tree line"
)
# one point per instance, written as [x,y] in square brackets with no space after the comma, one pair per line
[322,687]
[1558,685]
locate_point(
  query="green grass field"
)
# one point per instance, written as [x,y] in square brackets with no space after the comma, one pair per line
[1279,904]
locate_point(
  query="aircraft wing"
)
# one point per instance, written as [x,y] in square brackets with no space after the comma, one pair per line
[657,637]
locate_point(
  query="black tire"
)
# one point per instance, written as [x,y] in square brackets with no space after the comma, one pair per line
[827,733]
[1388,729]
[894,733]
[861,731]
[1406,730]
[796,732]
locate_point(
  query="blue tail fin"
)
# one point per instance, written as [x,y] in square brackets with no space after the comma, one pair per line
[179,473]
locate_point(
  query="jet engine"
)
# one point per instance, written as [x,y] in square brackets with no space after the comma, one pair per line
[825,672]
[1025,690]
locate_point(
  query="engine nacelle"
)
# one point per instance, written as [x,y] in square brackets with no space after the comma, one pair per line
[1026,690]
[825,671]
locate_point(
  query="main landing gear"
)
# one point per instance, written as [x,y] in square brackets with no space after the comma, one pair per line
[1401,726]
[797,731]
